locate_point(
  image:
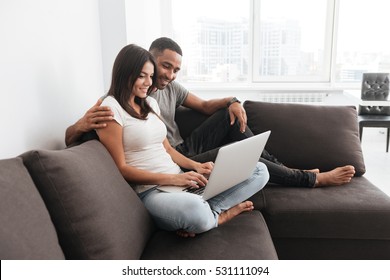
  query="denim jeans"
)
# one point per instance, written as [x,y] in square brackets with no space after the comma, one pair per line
[204,142]
[187,211]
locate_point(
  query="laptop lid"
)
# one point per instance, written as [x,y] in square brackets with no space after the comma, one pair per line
[234,164]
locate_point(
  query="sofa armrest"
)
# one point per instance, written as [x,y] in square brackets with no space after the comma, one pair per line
[27,231]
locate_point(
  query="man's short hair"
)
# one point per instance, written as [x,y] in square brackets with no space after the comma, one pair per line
[163,43]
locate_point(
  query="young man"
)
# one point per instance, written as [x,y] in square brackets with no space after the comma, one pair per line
[227,123]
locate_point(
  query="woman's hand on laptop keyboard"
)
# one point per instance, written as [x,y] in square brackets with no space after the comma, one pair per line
[205,168]
[192,179]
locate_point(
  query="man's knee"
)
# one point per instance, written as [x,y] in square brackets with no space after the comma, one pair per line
[222,115]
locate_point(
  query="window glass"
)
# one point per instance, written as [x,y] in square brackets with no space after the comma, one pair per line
[324,41]
[363,41]
[214,35]
[291,40]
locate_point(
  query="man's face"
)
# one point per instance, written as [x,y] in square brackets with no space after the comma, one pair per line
[168,65]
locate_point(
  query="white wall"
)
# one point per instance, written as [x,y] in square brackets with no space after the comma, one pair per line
[50,69]
[144,22]
[113,34]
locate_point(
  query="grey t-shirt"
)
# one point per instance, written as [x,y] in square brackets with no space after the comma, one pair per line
[168,99]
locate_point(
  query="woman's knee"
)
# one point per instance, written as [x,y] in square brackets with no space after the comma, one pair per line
[199,216]
[261,173]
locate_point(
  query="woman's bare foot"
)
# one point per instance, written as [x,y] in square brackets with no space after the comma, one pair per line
[234,211]
[183,233]
[335,177]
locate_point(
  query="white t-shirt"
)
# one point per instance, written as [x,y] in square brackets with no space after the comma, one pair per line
[168,99]
[143,140]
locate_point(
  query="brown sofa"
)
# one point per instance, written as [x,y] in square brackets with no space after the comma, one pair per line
[345,222]
[74,203]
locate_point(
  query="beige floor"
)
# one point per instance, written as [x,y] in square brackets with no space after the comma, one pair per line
[376,159]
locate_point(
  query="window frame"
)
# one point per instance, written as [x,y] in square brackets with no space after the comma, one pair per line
[326,81]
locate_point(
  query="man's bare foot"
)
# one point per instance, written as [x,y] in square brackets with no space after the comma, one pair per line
[234,211]
[183,233]
[335,177]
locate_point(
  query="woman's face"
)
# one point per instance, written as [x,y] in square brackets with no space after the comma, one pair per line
[144,81]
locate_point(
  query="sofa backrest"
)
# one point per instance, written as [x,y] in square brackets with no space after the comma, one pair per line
[302,136]
[96,213]
[309,136]
[26,231]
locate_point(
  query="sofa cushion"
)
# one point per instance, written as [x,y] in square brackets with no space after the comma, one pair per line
[244,237]
[357,210]
[96,213]
[309,136]
[26,231]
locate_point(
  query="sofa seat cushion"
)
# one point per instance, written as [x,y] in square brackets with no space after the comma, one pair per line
[26,231]
[358,210]
[309,136]
[244,237]
[96,213]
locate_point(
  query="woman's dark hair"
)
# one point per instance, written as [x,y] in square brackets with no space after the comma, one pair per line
[126,70]
[159,45]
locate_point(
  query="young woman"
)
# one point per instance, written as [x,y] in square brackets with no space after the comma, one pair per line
[136,139]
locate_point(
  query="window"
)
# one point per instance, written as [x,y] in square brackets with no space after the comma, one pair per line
[263,41]
[292,40]
[363,41]
[214,36]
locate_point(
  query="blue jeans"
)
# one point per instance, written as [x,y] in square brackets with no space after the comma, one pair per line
[204,142]
[187,211]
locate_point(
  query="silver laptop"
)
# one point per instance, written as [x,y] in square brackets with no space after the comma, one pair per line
[234,164]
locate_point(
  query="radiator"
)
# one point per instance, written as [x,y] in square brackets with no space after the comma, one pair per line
[312,97]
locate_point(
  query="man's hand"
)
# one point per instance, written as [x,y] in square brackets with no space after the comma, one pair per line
[94,118]
[237,111]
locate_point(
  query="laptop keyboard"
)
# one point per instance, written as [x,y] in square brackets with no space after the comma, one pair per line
[193,190]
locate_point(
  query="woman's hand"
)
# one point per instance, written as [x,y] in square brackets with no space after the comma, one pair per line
[191,178]
[204,168]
